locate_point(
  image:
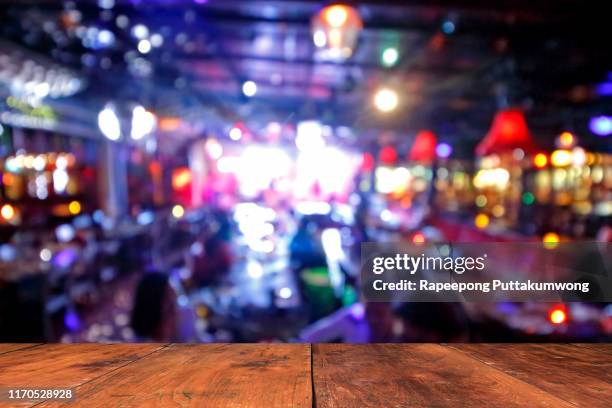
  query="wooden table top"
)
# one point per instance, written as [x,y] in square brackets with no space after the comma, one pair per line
[301,375]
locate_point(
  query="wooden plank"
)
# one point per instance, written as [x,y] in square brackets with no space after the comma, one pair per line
[8,347]
[605,348]
[580,375]
[416,375]
[64,365]
[236,375]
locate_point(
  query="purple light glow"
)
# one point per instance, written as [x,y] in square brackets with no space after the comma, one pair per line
[601,125]
[65,258]
[358,311]
[71,320]
[444,150]
[604,89]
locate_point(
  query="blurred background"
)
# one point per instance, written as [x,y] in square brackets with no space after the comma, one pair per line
[206,170]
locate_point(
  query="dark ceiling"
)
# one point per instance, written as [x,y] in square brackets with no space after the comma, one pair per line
[546,57]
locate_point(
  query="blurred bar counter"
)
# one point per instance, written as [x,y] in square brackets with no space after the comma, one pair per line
[303,375]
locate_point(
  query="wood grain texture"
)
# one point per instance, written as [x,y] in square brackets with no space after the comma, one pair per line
[65,366]
[416,375]
[8,347]
[597,347]
[580,375]
[236,375]
[280,375]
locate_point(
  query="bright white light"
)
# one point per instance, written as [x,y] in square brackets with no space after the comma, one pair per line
[235,133]
[157,40]
[140,31]
[389,180]
[309,136]
[108,122]
[64,233]
[259,166]
[319,38]
[61,163]
[386,100]
[334,170]
[274,128]
[178,211]
[42,89]
[45,254]
[578,157]
[285,293]
[390,56]
[332,244]
[386,215]
[143,122]
[336,15]
[106,37]
[254,269]
[144,46]
[492,178]
[313,207]
[39,163]
[214,148]
[60,180]
[249,88]
[228,164]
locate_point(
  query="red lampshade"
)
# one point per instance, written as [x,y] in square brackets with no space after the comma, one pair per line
[509,131]
[388,155]
[424,147]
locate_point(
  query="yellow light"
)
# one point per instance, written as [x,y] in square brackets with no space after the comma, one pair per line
[336,15]
[7,212]
[540,160]
[74,207]
[551,240]
[481,221]
[561,158]
[181,178]
[178,211]
[557,316]
[386,100]
[498,210]
[566,139]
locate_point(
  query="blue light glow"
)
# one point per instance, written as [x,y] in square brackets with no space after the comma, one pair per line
[601,125]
